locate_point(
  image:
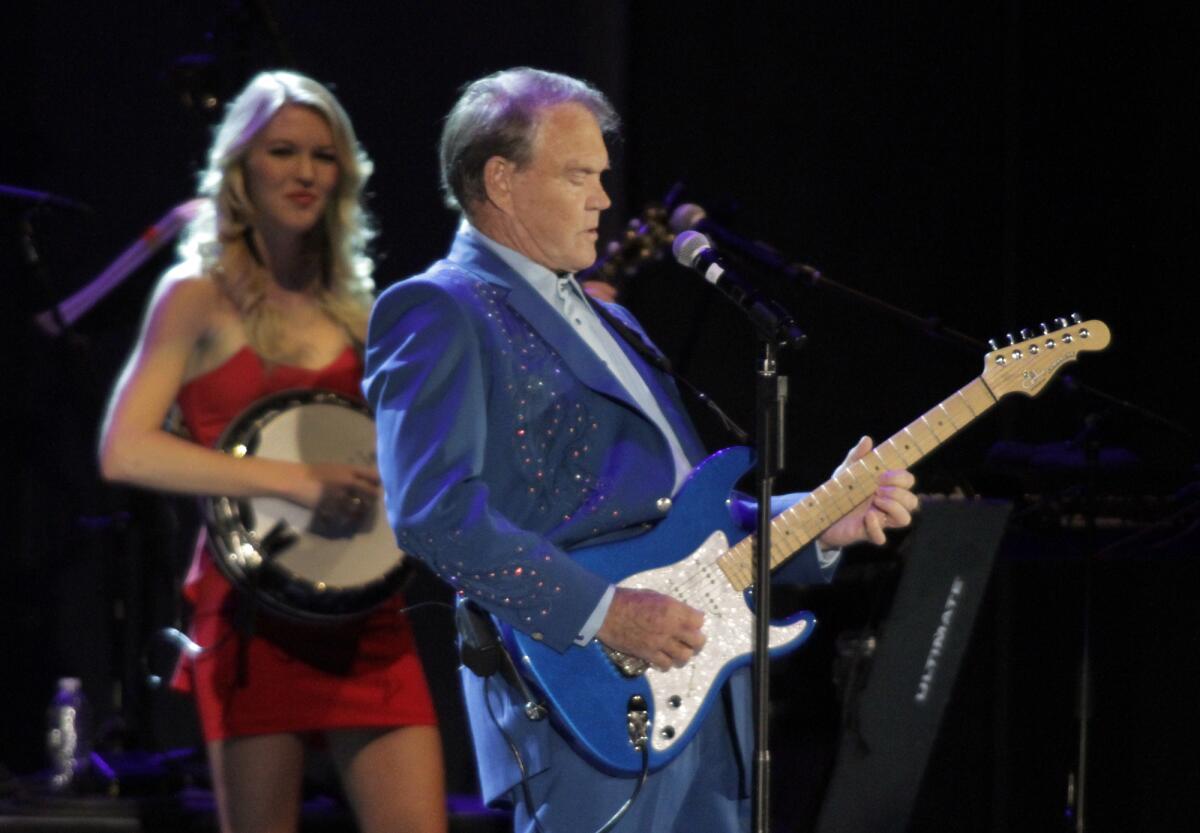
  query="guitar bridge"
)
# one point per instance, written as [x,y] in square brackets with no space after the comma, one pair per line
[627,664]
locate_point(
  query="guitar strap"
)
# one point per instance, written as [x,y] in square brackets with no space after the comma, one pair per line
[660,362]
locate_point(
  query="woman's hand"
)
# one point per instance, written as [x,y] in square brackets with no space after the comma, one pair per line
[342,496]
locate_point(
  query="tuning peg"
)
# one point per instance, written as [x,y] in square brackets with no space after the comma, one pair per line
[1045,328]
[1077,318]
[1011,339]
[1025,334]
[1061,322]
[1000,358]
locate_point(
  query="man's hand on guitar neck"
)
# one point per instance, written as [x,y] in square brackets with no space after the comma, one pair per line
[890,507]
[653,627]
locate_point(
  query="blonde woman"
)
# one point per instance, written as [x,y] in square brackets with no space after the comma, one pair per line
[272,292]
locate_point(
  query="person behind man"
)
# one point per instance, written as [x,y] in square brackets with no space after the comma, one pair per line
[514,424]
[271,293]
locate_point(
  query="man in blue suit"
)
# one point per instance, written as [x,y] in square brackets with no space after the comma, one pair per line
[514,423]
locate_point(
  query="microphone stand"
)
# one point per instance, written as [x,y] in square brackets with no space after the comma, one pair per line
[776,329]
[770,402]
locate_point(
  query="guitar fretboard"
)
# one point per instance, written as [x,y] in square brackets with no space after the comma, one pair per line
[854,485]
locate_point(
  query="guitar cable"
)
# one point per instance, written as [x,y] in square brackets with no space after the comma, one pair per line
[483,653]
[525,791]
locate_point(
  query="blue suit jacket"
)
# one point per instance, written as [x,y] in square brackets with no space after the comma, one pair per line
[503,442]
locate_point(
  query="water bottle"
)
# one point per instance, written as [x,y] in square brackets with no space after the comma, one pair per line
[68,734]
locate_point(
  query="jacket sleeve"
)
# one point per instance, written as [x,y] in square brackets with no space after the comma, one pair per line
[426,383]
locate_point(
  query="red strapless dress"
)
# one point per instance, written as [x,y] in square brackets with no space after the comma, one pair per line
[300,678]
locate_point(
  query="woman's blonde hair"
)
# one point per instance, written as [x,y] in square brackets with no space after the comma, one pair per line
[217,240]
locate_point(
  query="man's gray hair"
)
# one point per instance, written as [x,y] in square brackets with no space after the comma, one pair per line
[498,116]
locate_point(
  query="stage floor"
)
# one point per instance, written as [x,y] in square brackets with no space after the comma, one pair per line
[191,810]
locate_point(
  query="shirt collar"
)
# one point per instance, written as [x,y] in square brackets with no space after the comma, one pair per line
[544,281]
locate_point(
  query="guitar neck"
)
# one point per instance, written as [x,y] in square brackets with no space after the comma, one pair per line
[854,485]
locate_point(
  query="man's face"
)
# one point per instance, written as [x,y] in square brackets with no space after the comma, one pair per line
[556,200]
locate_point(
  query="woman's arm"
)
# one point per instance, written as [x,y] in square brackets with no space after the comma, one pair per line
[137,450]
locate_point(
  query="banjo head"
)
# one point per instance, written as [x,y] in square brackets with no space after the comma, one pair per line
[280,551]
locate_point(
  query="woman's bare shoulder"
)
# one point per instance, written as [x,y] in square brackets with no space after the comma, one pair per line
[188,299]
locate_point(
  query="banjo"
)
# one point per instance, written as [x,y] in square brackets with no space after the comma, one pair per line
[299,563]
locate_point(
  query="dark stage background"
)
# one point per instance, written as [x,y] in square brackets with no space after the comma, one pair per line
[983,166]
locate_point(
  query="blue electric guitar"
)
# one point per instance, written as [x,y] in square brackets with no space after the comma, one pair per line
[696,554]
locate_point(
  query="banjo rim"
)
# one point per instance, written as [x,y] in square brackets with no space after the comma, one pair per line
[235,545]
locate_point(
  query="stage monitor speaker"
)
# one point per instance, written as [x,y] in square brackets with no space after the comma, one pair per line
[947,560]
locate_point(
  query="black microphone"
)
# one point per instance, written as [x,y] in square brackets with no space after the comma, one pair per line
[690,216]
[693,250]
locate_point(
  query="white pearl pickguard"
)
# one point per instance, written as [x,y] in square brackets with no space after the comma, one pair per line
[678,695]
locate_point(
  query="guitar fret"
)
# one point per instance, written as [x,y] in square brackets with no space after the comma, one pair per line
[785,531]
[888,455]
[836,500]
[944,416]
[925,439]
[906,448]
[938,425]
[958,410]
[813,504]
[815,519]
[864,474]
[817,524]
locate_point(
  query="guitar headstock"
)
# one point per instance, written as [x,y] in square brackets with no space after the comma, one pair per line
[645,238]
[1026,366]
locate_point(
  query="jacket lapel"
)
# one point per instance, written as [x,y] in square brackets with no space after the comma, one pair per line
[545,319]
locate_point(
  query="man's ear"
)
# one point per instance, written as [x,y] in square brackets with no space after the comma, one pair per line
[497,181]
